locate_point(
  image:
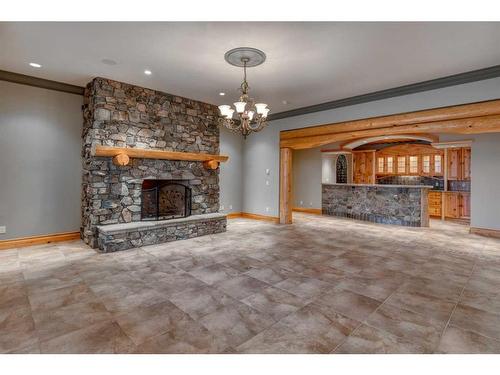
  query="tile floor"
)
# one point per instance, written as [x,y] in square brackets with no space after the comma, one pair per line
[322,285]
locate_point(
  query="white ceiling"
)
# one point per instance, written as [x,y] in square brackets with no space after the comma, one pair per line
[307,63]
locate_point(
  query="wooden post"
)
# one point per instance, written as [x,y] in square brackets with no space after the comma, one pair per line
[285,186]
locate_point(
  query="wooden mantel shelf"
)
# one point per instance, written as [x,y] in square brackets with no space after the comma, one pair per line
[121,155]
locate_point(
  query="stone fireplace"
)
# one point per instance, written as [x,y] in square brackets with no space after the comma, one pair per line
[147,201]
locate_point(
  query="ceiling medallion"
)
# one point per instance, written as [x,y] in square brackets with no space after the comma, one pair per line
[250,116]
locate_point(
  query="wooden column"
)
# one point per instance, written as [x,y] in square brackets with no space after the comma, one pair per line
[285,186]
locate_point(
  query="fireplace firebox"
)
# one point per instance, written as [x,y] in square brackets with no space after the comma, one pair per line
[165,199]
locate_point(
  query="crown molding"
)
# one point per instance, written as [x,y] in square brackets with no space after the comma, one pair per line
[40,82]
[453,80]
[433,84]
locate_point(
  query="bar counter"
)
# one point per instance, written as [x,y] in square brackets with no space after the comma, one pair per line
[405,205]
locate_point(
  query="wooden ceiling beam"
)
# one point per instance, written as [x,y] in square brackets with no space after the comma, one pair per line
[480,109]
[474,125]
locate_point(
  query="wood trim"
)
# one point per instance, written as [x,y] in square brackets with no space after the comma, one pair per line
[37,240]
[286,186]
[473,125]
[234,215]
[494,233]
[315,211]
[211,161]
[337,151]
[247,215]
[480,109]
[399,138]
[23,79]
[452,144]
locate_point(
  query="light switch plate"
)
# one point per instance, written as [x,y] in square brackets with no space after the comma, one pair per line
[268,171]
[230,206]
[3,229]
[267,182]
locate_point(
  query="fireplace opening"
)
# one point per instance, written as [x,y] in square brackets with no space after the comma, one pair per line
[165,199]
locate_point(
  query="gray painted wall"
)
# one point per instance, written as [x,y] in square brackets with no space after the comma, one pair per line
[40,164]
[231,172]
[262,149]
[40,168]
[485,186]
[306,174]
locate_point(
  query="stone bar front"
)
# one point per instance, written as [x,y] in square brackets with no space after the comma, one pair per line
[405,205]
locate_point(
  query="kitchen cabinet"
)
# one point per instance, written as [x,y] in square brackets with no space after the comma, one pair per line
[458,167]
[364,167]
[464,204]
[457,205]
[435,203]
[454,158]
[410,159]
[451,205]
[466,157]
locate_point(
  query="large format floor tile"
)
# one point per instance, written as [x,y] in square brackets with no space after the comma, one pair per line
[321,285]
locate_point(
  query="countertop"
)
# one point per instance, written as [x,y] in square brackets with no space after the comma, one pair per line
[385,186]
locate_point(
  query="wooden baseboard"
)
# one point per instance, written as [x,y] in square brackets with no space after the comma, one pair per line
[247,215]
[315,211]
[37,240]
[233,215]
[495,233]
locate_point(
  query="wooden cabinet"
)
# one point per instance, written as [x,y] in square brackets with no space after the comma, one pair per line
[454,164]
[464,205]
[466,156]
[435,203]
[364,167]
[457,205]
[458,167]
[451,205]
[410,159]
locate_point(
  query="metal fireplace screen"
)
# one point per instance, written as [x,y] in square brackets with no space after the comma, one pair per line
[164,199]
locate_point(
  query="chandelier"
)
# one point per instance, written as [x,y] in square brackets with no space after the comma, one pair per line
[250,116]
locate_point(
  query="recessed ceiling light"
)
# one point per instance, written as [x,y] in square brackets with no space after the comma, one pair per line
[35,65]
[285,102]
[147,72]
[108,61]
[222,93]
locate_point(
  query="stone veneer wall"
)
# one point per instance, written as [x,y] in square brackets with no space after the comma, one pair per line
[124,115]
[378,204]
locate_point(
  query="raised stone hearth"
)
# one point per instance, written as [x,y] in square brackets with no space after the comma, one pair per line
[121,115]
[125,236]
